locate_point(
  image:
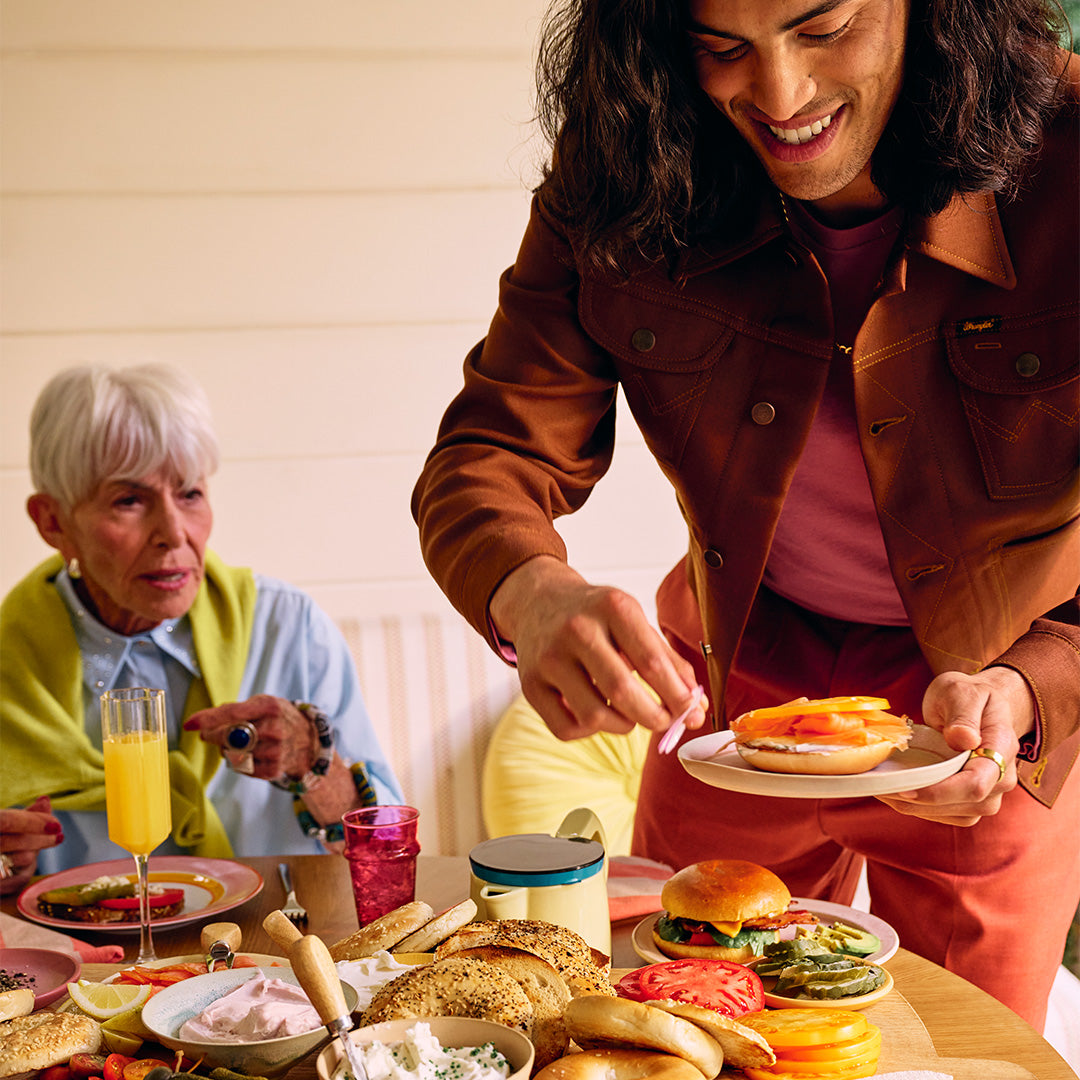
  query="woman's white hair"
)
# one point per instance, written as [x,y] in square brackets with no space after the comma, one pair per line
[93,424]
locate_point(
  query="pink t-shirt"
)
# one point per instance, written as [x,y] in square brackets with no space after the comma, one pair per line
[828,554]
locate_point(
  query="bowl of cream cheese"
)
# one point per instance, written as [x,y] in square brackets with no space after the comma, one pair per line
[251,1020]
[433,1048]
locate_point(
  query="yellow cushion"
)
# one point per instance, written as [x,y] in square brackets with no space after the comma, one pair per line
[532,780]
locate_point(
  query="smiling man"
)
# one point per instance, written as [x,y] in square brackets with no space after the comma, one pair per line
[827,249]
[810,89]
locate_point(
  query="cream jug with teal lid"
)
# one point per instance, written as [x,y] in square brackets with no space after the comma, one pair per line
[560,879]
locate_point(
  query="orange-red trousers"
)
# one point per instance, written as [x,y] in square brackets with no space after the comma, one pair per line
[991,903]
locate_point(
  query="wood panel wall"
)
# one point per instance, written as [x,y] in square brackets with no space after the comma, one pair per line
[306,203]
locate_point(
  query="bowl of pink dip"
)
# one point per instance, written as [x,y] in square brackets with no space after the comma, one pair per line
[256,1021]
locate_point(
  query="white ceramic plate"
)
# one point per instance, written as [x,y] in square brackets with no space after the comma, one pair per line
[928,759]
[211,887]
[826,913]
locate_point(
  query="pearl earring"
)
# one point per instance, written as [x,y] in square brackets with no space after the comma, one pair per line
[73,569]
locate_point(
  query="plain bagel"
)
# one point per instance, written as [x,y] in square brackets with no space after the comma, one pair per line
[438,929]
[597,1021]
[619,1063]
[743,1047]
[384,932]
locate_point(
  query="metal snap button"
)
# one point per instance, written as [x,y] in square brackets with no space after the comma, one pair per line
[713,558]
[1027,364]
[763,413]
[643,340]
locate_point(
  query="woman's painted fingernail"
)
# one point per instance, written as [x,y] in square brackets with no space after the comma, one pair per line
[53,827]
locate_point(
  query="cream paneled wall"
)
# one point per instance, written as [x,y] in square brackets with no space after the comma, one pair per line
[307,204]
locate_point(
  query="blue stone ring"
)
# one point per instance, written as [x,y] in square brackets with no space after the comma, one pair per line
[242,737]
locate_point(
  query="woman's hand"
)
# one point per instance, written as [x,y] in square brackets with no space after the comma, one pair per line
[578,646]
[993,709]
[285,742]
[23,833]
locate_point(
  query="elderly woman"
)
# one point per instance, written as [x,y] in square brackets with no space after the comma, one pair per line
[254,672]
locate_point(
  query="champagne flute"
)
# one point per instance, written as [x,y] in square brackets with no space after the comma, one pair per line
[135,746]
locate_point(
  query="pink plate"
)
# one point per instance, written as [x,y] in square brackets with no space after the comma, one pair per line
[211,886]
[51,971]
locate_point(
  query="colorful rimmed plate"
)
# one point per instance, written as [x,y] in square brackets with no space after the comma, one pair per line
[211,887]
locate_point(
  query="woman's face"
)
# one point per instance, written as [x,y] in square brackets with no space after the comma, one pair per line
[809,84]
[140,546]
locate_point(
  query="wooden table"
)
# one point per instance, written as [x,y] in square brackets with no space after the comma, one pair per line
[962,1020]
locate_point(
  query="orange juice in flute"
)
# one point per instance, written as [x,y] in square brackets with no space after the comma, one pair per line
[135,747]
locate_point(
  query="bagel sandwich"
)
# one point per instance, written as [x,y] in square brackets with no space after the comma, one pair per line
[837,736]
[725,909]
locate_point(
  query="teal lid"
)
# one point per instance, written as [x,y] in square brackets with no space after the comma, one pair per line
[536,859]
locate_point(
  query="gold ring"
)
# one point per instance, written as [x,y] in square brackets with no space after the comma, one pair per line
[994,756]
[7,866]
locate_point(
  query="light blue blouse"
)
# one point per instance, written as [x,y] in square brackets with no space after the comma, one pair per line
[296,652]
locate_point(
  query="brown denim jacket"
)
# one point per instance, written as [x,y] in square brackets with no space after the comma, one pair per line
[966,393]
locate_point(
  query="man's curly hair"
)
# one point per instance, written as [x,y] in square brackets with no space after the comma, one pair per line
[643,163]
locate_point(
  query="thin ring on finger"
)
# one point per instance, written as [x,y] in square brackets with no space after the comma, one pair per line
[994,756]
[7,866]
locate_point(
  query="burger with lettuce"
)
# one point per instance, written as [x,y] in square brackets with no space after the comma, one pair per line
[725,909]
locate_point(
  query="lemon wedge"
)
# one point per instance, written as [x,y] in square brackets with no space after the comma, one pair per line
[121,1042]
[103,1001]
[130,1022]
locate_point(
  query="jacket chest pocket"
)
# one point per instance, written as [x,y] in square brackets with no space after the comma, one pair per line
[1020,386]
[665,357]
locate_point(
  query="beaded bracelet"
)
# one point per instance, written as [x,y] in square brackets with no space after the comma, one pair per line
[335,831]
[321,765]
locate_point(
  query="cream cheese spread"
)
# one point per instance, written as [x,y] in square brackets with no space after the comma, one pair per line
[422,1057]
[258,1009]
[367,975]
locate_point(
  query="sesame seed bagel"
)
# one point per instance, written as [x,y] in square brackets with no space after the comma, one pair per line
[544,987]
[457,986]
[43,1039]
[596,1022]
[565,950]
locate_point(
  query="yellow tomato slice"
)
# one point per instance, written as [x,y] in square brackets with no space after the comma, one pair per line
[774,1073]
[782,1028]
[861,1046]
[805,707]
[816,1068]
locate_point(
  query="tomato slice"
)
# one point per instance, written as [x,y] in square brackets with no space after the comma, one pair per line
[774,1072]
[728,988]
[136,1070]
[127,903]
[115,1065]
[783,1028]
[853,1049]
[629,986]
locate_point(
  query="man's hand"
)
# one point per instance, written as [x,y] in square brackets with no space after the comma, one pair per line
[285,742]
[578,646]
[23,833]
[993,709]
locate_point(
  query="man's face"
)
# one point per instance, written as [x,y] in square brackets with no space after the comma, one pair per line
[809,84]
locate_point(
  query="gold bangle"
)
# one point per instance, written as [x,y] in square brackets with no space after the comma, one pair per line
[994,756]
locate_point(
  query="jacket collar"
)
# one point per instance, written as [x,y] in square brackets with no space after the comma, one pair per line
[966,235]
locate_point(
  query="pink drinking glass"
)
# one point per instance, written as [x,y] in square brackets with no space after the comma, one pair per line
[381,846]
